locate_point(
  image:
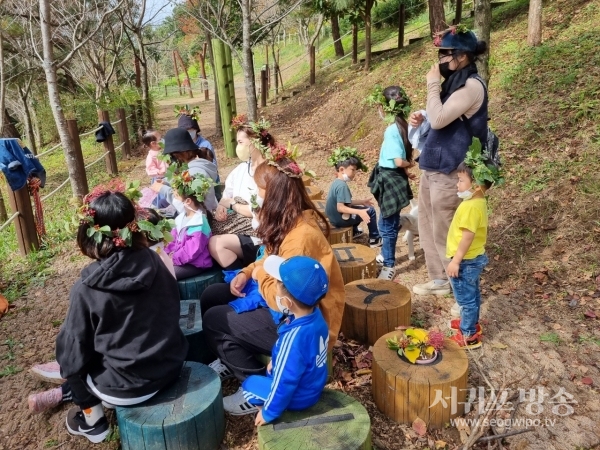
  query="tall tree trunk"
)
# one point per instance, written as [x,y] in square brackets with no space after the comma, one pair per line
[458,15]
[335,34]
[3,215]
[146,100]
[368,8]
[310,48]
[354,43]
[247,64]
[48,63]
[211,59]
[437,18]
[9,128]
[185,71]
[23,95]
[2,87]
[483,26]
[534,23]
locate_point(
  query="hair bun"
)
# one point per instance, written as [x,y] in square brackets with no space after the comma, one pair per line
[481,48]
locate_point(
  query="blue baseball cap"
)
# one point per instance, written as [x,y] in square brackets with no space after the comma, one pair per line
[466,42]
[304,277]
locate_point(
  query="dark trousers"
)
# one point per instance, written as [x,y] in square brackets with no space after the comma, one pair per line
[78,389]
[353,222]
[187,271]
[236,338]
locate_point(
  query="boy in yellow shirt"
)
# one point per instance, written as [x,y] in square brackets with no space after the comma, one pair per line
[465,245]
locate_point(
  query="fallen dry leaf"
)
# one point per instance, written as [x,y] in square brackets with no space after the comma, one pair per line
[590,314]
[587,380]
[463,429]
[362,372]
[499,345]
[440,445]
[419,426]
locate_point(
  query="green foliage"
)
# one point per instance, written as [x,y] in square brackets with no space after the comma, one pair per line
[385,13]
[341,154]
[392,108]
[483,169]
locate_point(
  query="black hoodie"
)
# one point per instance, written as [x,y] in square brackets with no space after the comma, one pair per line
[122,327]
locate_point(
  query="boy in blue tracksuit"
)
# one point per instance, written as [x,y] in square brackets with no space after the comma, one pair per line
[297,373]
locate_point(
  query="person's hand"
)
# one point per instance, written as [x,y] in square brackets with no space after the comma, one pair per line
[157,185]
[238,284]
[270,367]
[259,419]
[453,269]
[364,216]
[369,202]
[255,272]
[221,213]
[416,119]
[434,73]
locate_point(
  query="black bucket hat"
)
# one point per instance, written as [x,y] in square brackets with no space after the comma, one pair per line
[186,122]
[178,140]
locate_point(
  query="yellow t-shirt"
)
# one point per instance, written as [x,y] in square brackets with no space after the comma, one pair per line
[470,215]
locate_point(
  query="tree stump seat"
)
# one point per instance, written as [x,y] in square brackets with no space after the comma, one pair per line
[373,308]
[190,322]
[320,205]
[336,422]
[356,261]
[186,415]
[192,288]
[306,180]
[435,392]
[314,192]
[339,235]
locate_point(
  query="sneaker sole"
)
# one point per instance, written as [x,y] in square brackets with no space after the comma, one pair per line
[457,329]
[242,413]
[94,439]
[46,376]
[444,291]
[375,245]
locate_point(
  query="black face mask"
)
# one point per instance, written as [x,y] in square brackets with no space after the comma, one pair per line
[445,70]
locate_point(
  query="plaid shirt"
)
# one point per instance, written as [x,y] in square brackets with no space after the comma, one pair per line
[391,189]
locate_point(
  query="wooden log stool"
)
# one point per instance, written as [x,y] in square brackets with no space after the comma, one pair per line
[320,205]
[190,322]
[435,392]
[339,235]
[356,261]
[192,288]
[314,192]
[374,308]
[188,414]
[306,180]
[336,422]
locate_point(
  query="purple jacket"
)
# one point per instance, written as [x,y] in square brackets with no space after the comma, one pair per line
[190,243]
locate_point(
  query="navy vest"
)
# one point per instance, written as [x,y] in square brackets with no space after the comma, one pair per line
[446,148]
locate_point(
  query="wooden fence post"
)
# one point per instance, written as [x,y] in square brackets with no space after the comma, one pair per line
[141,123]
[27,237]
[124,133]
[166,94]
[264,88]
[81,174]
[203,68]
[313,69]
[401,19]
[110,158]
[3,215]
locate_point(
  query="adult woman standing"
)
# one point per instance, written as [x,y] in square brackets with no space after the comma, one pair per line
[233,244]
[461,97]
[289,226]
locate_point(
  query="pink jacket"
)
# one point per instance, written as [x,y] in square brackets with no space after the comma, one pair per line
[155,167]
[190,242]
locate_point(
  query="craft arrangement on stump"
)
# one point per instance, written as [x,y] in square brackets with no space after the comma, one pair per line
[434,392]
[339,235]
[356,261]
[190,322]
[373,308]
[314,192]
[187,415]
[336,422]
[192,288]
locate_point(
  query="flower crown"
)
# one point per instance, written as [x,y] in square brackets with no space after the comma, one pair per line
[276,153]
[122,237]
[482,166]
[188,185]
[342,154]
[260,128]
[400,106]
[185,110]
[455,29]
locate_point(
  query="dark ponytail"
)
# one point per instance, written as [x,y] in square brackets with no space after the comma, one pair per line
[480,49]
[397,93]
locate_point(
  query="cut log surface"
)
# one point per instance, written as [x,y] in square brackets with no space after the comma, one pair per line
[435,392]
[314,192]
[339,235]
[187,415]
[190,322]
[356,261]
[192,288]
[336,422]
[374,308]
[307,181]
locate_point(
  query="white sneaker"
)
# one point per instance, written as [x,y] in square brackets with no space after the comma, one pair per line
[221,369]
[387,273]
[379,259]
[432,288]
[108,405]
[237,405]
[455,310]
[48,372]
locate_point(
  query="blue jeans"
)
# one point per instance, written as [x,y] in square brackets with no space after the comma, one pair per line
[389,227]
[467,293]
[353,222]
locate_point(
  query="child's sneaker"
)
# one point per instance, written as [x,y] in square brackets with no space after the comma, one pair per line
[470,342]
[77,426]
[455,310]
[374,243]
[237,405]
[379,259]
[43,401]
[455,325]
[221,369]
[49,372]
[387,273]
[357,233]
[432,288]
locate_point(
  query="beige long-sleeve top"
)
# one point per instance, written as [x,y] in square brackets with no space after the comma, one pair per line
[466,100]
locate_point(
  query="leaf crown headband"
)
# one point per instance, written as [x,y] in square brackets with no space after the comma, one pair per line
[482,167]
[189,185]
[274,156]
[185,110]
[399,106]
[342,154]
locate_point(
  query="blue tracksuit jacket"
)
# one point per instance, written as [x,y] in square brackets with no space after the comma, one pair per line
[299,369]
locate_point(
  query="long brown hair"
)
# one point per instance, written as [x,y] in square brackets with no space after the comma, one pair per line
[397,93]
[284,202]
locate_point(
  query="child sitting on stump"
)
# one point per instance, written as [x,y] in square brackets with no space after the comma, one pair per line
[297,372]
[341,210]
[465,244]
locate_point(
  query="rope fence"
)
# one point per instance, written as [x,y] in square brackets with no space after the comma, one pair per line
[46,197]
[10,220]
[96,161]
[90,132]
[49,151]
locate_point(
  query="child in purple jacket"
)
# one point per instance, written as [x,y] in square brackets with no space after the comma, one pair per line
[189,248]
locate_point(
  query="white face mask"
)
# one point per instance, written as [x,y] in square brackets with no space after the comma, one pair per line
[193,134]
[179,205]
[259,200]
[255,223]
[282,308]
[465,195]
[243,152]
[345,177]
